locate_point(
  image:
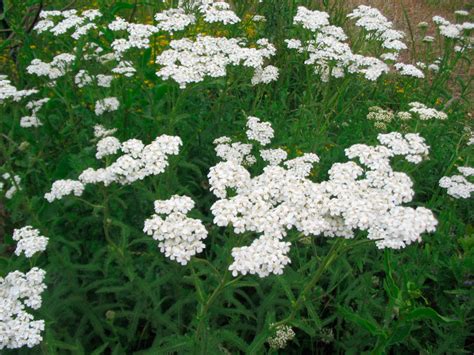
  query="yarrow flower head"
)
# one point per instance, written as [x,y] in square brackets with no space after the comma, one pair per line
[18,291]
[283,334]
[261,132]
[29,241]
[108,104]
[365,197]
[458,186]
[179,237]
[137,162]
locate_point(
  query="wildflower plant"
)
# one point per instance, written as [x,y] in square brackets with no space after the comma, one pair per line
[246,176]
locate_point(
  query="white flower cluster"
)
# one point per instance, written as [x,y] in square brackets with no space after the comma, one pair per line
[283,335]
[329,52]
[107,146]
[32,120]
[14,180]
[273,156]
[426,113]
[190,61]
[57,68]
[457,185]
[137,162]
[63,188]
[451,30]
[8,91]
[29,241]
[380,116]
[179,237]
[218,11]
[409,70]
[238,152]
[261,132]
[378,27]
[138,36]
[18,291]
[173,20]
[83,78]
[102,132]
[265,256]
[365,197]
[109,104]
[61,22]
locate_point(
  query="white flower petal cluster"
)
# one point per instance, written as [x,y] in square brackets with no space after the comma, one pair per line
[266,75]
[8,91]
[273,156]
[102,132]
[138,36]
[124,68]
[426,113]
[189,61]
[83,78]
[457,185]
[107,146]
[179,237]
[109,104]
[409,70]
[410,145]
[218,11]
[14,181]
[63,188]
[311,20]
[61,22]
[57,68]
[173,20]
[328,51]
[18,291]
[282,336]
[29,241]
[33,120]
[137,162]
[451,30]
[378,27]
[380,116]
[265,256]
[262,132]
[366,197]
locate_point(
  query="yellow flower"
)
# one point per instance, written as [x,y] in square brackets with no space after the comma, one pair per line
[32,46]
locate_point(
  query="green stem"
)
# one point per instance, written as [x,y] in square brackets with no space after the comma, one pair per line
[327,261]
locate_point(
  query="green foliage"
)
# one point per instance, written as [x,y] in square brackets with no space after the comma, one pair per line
[110,290]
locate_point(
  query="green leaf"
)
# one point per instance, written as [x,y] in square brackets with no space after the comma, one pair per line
[428,313]
[370,325]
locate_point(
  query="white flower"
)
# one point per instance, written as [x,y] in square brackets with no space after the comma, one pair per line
[17,291]
[29,241]
[273,156]
[108,104]
[63,188]
[409,70]
[14,181]
[190,61]
[426,113]
[107,146]
[179,236]
[173,20]
[261,132]
[265,256]
[457,185]
[265,75]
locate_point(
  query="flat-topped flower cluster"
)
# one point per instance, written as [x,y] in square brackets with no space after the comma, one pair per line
[20,291]
[137,162]
[367,196]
